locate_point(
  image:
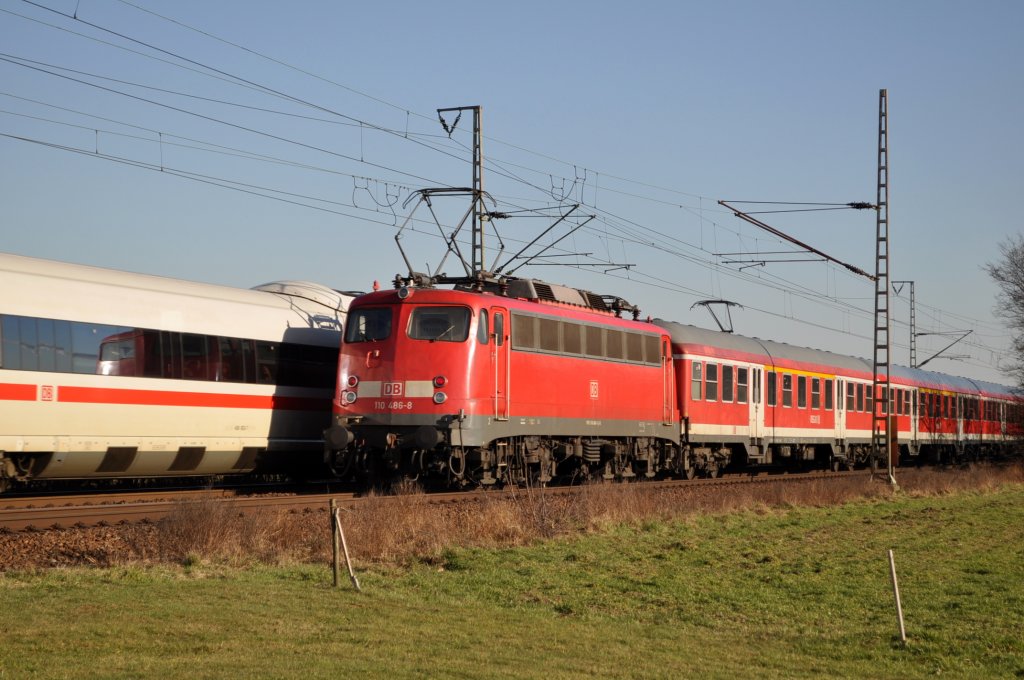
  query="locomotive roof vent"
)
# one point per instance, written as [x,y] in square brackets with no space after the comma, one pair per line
[532,289]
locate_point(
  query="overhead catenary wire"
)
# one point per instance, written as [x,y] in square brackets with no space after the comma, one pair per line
[627,235]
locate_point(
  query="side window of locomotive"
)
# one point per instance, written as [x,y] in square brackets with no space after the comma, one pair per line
[548,334]
[482,328]
[368,324]
[499,329]
[787,389]
[614,344]
[572,338]
[695,380]
[595,341]
[772,389]
[439,324]
[523,334]
[634,347]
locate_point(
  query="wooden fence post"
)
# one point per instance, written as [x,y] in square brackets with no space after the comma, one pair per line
[896,593]
[334,538]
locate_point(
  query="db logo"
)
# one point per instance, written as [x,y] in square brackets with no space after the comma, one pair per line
[393,389]
[593,389]
[46,392]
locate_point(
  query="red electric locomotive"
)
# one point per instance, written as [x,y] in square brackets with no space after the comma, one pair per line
[526,381]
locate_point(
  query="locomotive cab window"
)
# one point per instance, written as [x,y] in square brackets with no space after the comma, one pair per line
[368,324]
[444,324]
[482,329]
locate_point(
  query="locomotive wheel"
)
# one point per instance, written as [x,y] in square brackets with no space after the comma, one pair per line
[712,471]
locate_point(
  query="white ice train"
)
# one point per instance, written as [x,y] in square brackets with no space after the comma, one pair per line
[107,374]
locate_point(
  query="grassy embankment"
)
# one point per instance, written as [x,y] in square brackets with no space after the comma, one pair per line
[759,592]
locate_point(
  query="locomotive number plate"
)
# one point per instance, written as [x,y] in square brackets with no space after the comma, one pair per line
[381,405]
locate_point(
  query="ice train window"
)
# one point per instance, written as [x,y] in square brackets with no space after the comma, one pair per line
[368,324]
[445,324]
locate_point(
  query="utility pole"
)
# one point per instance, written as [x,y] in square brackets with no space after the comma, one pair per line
[883,434]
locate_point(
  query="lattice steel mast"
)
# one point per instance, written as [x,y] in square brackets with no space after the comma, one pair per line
[883,434]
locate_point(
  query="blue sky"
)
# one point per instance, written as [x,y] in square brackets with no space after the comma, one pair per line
[645,113]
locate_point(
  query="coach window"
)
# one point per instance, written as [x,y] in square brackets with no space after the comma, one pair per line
[368,324]
[741,385]
[772,388]
[850,404]
[711,382]
[828,395]
[801,391]
[29,344]
[787,389]
[727,384]
[194,355]
[47,359]
[695,379]
[816,393]
[860,397]
[482,329]
[266,362]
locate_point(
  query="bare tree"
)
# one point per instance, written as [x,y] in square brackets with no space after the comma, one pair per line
[1008,272]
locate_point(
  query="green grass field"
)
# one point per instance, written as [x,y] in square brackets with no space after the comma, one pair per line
[790,593]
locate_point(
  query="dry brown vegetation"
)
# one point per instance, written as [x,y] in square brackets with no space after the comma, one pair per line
[409,526]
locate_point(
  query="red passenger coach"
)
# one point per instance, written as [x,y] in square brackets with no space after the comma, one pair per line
[523,381]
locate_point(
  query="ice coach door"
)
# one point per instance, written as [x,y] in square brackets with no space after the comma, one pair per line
[499,361]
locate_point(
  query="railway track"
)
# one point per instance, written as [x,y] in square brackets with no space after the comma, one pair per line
[80,511]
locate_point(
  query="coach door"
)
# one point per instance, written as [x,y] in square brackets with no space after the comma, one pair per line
[754,398]
[840,404]
[500,362]
[668,390]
